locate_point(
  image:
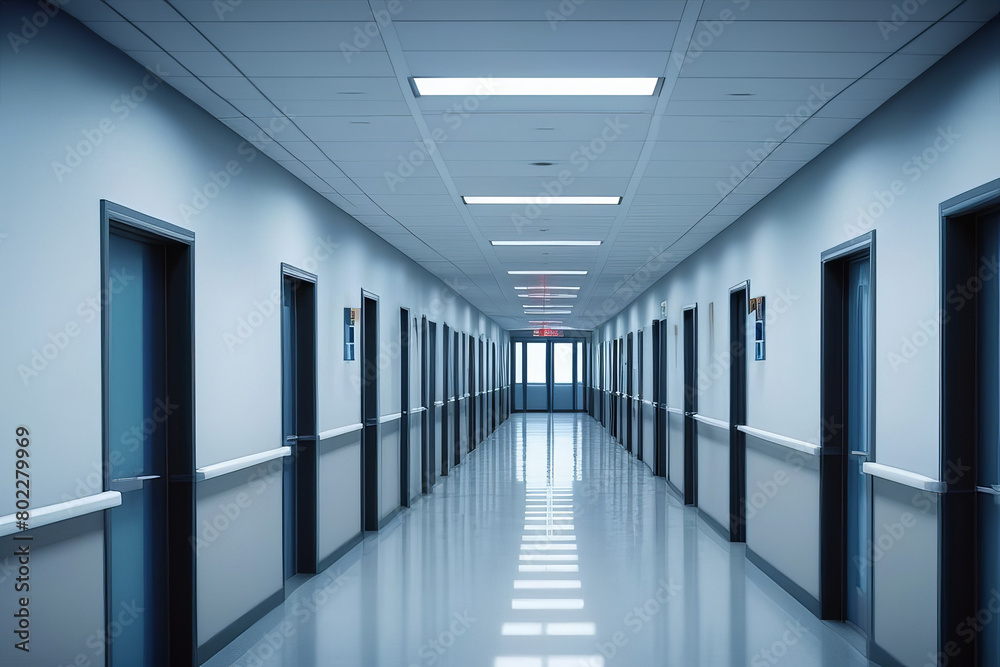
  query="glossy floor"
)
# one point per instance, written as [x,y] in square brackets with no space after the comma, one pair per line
[550,546]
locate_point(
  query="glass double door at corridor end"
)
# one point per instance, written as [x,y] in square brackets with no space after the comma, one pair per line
[549,375]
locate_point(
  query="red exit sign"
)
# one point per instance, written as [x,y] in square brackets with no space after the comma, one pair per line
[548,332]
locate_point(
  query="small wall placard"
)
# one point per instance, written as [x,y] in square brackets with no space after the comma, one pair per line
[757,309]
[351,316]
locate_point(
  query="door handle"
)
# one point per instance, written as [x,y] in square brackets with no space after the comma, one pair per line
[126,484]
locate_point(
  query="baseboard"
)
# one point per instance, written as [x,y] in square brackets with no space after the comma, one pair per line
[225,637]
[792,588]
[674,490]
[713,524]
[880,656]
[389,517]
[339,552]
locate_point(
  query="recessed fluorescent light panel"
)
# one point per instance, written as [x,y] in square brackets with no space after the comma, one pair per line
[547,296]
[547,287]
[543,200]
[546,243]
[489,86]
[548,312]
[546,273]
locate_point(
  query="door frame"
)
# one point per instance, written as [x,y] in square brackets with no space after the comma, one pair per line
[446,371]
[181,519]
[472,392]
[640,368]
[690,405]
[629,389]
[404,407]
[958,532]
[370,425]
[456,350]
[660,384]
[305,459]
[738,399]
[833,402]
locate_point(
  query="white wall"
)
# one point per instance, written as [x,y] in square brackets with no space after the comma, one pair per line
[59,90]
[950,115]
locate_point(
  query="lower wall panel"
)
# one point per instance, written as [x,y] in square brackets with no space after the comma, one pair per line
[649,436]
[416,450]
[339,492]
[389,468]
[783,511]
[238,514]
[905,566]
[66,596]
[713,472]
[675,450]
[463,428]
[437,411]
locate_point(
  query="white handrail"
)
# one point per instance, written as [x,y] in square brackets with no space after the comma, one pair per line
[390,418]
[343,430]
[71,509]
[718,423]
[791,443]
[904,477]
[241,463]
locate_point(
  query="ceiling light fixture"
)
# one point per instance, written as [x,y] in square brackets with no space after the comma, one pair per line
[545,243]
[546,86]
[547,287]
[549,312]
[546,273]
[543,200]
[547,296]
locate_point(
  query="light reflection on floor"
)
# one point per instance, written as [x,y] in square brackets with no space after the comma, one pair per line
[550,546]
